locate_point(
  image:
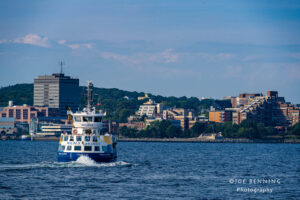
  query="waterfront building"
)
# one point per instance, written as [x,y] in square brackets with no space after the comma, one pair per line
[150,109]
[57,91]
[185,116]
[53,130]
[7,126]
[220,116]
[25,113]
[152,119]
[270,110]
[244,99]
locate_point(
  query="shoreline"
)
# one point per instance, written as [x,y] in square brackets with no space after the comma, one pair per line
[196,140]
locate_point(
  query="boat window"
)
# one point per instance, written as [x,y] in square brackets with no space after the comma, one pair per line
[98,119]
[97,148]
[88,131]
[77,148]
[104,148]
[77,119]
[71,138]
[66,138]
[88,148]
[63,148]
[87,138]
[94,138]
[87,119]
[69,148]
[78,138]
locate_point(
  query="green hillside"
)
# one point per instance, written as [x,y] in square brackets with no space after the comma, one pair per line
[112,100]
[19,93]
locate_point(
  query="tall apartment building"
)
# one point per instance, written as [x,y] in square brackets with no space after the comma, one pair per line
[220,116]
[57,91]
[270,110]
[244,99]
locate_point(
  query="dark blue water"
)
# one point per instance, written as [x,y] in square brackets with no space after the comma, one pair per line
[28,170]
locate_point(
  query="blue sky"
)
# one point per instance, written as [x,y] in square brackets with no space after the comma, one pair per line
[188,48]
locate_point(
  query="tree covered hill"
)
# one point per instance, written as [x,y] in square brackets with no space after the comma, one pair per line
[112,100]
[19,93]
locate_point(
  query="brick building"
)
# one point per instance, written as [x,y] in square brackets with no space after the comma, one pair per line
[26,113]
[220,116]
[270,110]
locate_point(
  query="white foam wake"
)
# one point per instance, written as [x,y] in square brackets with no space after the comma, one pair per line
[87,161]
[82,161]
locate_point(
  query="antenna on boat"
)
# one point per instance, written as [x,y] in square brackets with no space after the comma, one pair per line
[89,95]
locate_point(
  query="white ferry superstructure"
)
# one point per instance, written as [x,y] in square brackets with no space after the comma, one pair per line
[87,137]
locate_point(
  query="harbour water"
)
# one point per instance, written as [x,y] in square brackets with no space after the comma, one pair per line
[28,170]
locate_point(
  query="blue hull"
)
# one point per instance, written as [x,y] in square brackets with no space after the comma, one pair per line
[98,157]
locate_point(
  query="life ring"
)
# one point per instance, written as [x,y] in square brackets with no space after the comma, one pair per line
[75,131]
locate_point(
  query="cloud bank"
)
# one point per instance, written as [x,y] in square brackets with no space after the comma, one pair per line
[33,39]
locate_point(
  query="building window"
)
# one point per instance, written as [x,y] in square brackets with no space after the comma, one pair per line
[3,114]
[25,114]
[18,114]
[44,113]
[32,115]
[97,148]
[11,113]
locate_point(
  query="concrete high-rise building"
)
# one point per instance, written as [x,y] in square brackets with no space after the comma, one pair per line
[57,91]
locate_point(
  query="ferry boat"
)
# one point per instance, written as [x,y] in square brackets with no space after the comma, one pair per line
[87,137]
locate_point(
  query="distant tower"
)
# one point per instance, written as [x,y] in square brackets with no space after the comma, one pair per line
[57,91]
[61,63]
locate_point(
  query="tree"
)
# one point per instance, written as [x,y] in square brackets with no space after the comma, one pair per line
[171,131]
[296,129]
[197,129]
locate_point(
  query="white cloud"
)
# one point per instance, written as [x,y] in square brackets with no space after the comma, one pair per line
[166,56]
[216,57]
[33,39]
[73,46]
[62,41]
[119,58]
[87,45]
[77,46]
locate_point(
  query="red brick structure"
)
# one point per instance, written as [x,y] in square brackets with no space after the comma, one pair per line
[26,113]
